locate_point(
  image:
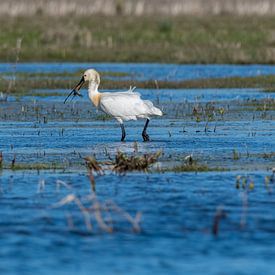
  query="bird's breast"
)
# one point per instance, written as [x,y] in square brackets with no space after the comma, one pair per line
[95,99]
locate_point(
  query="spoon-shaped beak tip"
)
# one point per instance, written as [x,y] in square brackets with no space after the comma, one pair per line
[75,91]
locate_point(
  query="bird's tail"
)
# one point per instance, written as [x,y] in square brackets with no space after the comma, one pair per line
[156,111]
[152,109]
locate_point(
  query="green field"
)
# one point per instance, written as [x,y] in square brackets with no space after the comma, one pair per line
[184,39]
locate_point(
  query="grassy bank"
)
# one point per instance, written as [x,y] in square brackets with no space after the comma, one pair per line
[25,83]
[185,39]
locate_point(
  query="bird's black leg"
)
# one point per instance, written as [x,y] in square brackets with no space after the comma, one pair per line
[144,134]
[122,132]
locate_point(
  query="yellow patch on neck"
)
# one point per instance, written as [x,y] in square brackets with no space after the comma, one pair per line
[96,99]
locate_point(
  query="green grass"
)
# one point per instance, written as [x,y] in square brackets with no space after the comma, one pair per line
[24,85]
[184,39]
[103,117]
[263,105]
[193,168]
[33,166]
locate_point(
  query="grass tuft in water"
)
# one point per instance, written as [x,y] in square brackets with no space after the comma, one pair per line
[192,168]
[236,154]
[191,165]
[103,117]
[124,163]
[33,166]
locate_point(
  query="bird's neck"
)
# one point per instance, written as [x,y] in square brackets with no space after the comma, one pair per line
[94,94]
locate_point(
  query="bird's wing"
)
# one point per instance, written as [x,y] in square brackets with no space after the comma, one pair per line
[130,93]
[123,104]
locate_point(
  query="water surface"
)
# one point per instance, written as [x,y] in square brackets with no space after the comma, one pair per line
[223,129]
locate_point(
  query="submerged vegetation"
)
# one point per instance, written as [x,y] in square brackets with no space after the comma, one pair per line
[121,163]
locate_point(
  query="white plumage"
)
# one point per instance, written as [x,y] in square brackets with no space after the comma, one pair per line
[122,106]
[127,106]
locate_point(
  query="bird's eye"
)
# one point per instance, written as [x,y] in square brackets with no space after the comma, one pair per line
[85,75]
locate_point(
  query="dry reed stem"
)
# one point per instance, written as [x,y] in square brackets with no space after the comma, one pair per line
[98,216]
[244,209]
[93,165]
[60,183]
[72,198]
[70,221]
[97,209]
[134,221]
[219,215]
[41,186]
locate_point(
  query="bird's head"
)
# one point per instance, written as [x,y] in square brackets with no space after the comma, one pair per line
[91,76]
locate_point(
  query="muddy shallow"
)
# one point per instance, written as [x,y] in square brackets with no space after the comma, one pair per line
[179,232]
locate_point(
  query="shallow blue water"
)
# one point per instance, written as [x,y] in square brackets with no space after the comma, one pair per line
[44,142]
[162,95]
[178,213]
[148,71]
[178,209]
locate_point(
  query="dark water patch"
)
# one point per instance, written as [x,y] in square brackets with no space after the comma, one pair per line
[177,218]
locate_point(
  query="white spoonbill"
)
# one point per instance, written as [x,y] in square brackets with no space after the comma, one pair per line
[120,105]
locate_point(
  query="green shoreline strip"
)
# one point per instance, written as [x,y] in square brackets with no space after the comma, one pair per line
[266,83]
[222,39]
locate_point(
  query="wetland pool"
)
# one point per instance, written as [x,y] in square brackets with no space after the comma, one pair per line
[166,221]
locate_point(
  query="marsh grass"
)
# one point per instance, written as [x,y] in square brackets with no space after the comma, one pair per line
[14,165]
[103,117]
[236,154]
[137,8]
[35,166]
[179,39]
[25,84]
[267,104]
[123,163]
[191,168]
[195,167]
[190,164]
